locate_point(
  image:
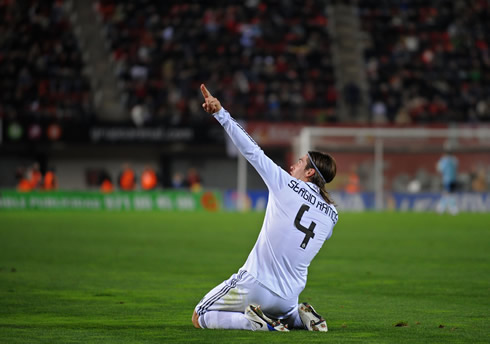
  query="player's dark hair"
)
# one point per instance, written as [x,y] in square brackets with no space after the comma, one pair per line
[325,164]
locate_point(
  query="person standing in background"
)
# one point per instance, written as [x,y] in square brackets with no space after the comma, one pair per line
[447,166]
[23,183]
[149,179]
[127,178]
[194,180]
[35,176]
[50,181]
[178,181]
[479,180]
[353,184]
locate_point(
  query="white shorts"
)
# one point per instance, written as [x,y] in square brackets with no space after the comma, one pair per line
[241,290]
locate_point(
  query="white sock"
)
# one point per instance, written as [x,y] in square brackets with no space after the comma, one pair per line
[441,206]
[453,206]
[297,320]
[225,320]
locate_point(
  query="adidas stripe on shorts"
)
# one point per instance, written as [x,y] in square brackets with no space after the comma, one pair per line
[241,290]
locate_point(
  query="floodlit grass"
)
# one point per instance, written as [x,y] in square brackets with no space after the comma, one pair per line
[102,277]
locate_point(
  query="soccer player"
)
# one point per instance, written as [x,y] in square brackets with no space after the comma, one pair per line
[447,166]
[300,216]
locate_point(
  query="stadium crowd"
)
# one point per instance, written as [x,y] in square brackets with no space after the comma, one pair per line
[147,179]
[40,63]
[266,60]
[428,61]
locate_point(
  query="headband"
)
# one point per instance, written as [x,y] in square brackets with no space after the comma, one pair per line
[316,168]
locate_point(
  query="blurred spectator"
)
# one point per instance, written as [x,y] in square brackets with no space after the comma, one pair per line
[40,63]
[34,176]
[352,98]
[353,181]
[272,59]
[423,177]
[479,180]
[429,59]
[140,114]
[193,180]
[127,178]
[50,181]
[19,173]
[378,112]
[106,186]
[105,181]
[414,186]
[149,178]
[178,181]
[23,184]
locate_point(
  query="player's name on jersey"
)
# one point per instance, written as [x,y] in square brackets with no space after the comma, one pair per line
[313,200]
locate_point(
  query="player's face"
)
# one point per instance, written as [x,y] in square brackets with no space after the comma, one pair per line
[297,170]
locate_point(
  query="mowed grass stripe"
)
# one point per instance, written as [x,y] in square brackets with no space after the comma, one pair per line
[129,277]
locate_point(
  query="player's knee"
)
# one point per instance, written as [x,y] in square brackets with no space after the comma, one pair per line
[195,320]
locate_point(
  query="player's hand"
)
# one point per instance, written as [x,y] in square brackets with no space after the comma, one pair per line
[211,104]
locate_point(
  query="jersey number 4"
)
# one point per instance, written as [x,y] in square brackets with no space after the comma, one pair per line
[307,230]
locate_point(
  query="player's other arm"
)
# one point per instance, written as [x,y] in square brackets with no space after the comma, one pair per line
[268,170]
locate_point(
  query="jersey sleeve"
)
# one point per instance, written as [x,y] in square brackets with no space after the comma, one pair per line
[272,175]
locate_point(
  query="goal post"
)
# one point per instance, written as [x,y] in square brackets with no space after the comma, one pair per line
[389,152]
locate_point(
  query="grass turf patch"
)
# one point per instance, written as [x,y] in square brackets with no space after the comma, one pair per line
[130,277]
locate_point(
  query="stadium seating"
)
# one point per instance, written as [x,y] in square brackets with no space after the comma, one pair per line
[264,60]
[40,63]
[428,61]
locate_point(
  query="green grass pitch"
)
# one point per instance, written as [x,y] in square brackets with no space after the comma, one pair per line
[135,277]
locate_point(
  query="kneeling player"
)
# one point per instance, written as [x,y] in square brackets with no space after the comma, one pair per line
[300,216]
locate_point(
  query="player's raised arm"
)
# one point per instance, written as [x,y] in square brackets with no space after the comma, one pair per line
[273,176]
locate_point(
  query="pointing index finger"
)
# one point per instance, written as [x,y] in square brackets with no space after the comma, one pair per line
[205,91]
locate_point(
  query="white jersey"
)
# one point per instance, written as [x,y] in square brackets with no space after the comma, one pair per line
[297,220]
